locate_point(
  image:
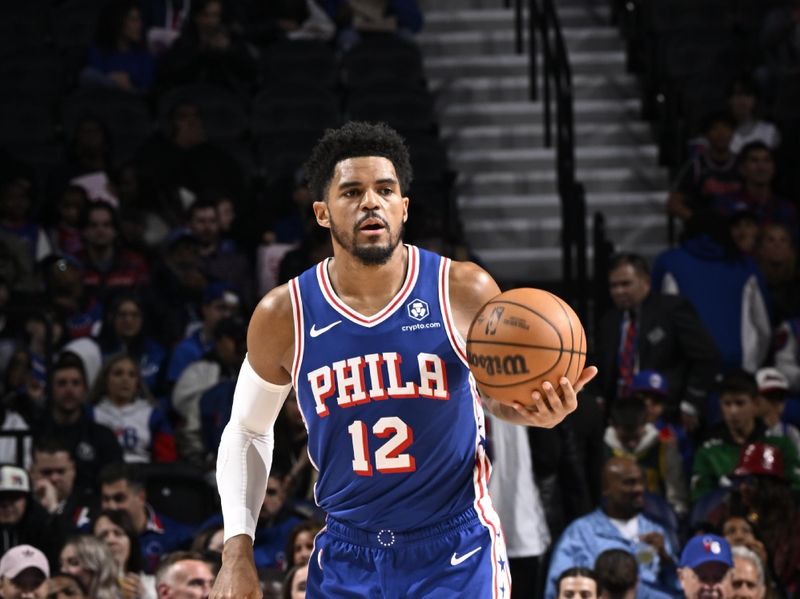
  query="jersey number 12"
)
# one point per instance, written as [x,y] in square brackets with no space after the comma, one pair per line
[388,457]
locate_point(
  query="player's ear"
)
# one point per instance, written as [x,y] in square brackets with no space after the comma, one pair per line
[322,215]
[405,209]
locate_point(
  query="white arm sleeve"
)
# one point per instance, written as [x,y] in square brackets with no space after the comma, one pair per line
[245,450]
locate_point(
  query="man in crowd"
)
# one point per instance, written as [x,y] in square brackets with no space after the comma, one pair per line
[708,175]
[108,267]
[716,459]
[122,488]
[184,575]
[23,573]
[23,520]
[53,478]
[631,435]
[618,524]
[705,567]
[577,583]
[219,301]
[772,390]
[617,574]
[222,260]
[747,580]
[648,330]
[91,445]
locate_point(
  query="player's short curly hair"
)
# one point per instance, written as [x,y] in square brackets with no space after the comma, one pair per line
[352,140]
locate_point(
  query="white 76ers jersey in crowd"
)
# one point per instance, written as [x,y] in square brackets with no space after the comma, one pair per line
[395,426]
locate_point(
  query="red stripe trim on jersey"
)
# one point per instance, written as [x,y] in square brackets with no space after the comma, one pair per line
[444,293]
[486,522]
[357,317]
[297,317]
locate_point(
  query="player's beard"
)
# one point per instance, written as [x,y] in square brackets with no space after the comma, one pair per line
[372,254]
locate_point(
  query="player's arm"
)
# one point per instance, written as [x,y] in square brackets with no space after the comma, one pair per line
[246,447]
[470,288]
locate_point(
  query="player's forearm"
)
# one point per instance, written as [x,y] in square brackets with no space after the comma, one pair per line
[245,451]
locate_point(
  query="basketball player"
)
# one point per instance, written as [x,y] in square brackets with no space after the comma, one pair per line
[373,342]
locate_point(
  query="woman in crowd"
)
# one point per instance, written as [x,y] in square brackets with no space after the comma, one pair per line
[294,586]
[301,543]
[123,404]
[90,561]
[124,331]
[115,529]
[118,58]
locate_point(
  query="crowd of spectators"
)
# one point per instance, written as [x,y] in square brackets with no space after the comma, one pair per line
[130,263]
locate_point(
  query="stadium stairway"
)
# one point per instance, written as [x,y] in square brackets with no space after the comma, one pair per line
[506,177]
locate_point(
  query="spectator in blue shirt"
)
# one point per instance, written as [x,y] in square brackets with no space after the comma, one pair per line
[117,58]
[219,302]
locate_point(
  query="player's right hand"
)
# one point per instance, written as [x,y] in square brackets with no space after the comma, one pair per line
[237,578]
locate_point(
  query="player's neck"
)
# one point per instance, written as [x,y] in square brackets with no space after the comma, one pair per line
[367,289]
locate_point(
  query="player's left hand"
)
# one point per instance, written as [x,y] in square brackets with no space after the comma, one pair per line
[548,409]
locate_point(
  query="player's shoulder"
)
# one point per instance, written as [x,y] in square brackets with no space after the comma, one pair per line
[275,306]
[470,286]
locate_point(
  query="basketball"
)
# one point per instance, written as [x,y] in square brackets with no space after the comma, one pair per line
[522,338]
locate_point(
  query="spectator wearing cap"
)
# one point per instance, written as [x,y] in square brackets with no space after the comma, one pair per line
[108,267]
[651,388]
[219,301]
[23,520]
[91,445]
[762,493]
[65,292]
[619,523]
[656,452]
[24,573]
[705,568]
[647,330]
[747,579]
[772,390]
[219,366]
[222,260]
[717,457]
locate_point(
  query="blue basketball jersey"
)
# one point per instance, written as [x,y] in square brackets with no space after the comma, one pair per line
[395,424]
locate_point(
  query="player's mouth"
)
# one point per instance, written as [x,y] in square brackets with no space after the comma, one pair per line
[372,226]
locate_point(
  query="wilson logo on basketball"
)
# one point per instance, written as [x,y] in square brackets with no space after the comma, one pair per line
[512,364]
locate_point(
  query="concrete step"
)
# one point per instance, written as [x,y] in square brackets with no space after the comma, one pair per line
[488,207]
[520,264]
[490,137]
[517,88]
[511,65]
[483,19]
[503,41]
[595,180]
[522,159]
[521,113]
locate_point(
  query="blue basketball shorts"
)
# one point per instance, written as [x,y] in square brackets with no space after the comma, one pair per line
[463,557]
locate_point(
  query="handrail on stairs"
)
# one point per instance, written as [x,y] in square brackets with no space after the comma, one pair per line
[543,23]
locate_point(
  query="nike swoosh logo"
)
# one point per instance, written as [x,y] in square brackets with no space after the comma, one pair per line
[457,559]
[315,332]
